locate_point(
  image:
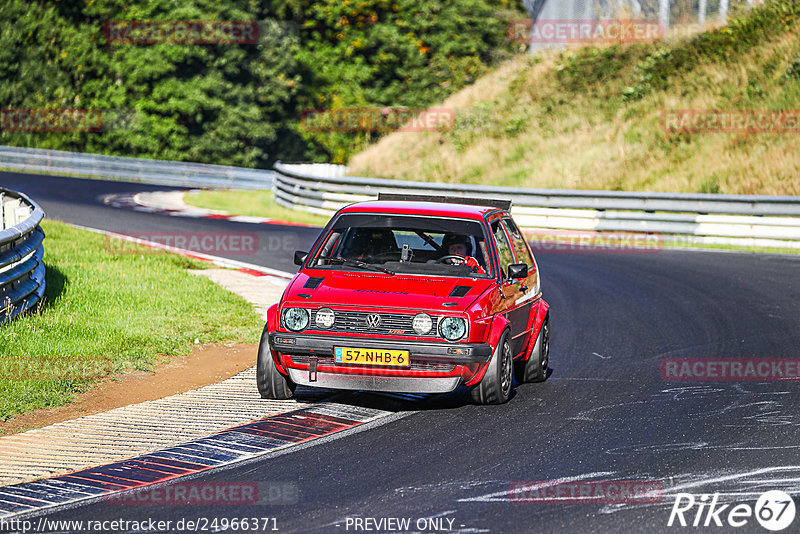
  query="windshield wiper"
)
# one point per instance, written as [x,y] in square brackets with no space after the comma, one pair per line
[358,263]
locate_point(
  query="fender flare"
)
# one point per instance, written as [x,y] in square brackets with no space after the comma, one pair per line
[499,326]
[272,326]
[542,312]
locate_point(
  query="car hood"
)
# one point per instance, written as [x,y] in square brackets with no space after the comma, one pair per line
[414,292]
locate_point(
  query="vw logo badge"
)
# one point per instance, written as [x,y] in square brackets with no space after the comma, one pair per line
[373,320]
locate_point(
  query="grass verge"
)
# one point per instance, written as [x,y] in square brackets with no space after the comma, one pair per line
[254,203]
[108,313]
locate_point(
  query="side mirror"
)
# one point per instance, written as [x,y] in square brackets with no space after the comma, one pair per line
[517,271]
[300,257]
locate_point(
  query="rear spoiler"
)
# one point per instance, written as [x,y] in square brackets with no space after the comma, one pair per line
[402,197]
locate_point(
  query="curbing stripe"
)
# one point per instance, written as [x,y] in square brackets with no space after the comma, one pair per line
[138,429]
[60,488]
[28,501]
[247,268]
[229,446]
[130,201]
[32,494]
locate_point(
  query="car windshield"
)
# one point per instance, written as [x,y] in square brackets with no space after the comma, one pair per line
[436,246]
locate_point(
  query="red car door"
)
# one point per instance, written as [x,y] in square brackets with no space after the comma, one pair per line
[528,286]
[515,307]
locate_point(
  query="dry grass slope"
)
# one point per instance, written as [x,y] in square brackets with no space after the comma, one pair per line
[591,117]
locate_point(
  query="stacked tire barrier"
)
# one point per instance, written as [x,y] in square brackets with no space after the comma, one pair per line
[22,269]
[682,218]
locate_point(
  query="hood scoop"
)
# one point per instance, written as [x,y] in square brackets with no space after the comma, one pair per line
[313,282]
[459,291]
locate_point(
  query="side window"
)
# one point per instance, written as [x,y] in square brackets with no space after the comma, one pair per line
[503,247]
[518,241]
[327,250]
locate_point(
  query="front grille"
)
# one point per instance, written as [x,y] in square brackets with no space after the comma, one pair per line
[416,365]
[391,323]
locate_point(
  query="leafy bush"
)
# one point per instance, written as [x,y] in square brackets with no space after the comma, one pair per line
[794,69]
[239,104]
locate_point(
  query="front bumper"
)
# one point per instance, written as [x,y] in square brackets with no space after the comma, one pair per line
[396,384]
[435,367]
[321,345]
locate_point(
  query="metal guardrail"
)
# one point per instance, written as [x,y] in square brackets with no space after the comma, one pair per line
[133,169]
[22,270]
[743,220]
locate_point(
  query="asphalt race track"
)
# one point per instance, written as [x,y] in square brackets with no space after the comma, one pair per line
[605,414]
[77,201]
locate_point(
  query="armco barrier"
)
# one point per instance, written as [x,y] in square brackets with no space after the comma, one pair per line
[149,171]
[21,253]
[695,218]
[742,220]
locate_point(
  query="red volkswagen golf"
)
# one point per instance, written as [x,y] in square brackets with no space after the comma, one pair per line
[411,294]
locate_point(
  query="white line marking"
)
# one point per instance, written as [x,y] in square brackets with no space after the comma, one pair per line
[503,496]
[699,482]
[726,478]
[248,219]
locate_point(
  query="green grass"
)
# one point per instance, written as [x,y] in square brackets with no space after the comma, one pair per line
[109,313]
[254,203]
[608,241]
[668,245]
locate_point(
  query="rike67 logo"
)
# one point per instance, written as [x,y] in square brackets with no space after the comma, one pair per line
[774,510]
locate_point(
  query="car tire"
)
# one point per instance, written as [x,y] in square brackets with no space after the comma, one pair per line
[271,383]
[497,383]
[535,368]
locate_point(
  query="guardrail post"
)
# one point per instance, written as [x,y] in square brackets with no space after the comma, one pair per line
[723,11]
[663,14]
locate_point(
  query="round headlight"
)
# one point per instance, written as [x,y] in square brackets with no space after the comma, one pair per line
[324,318]
[453,328]
[422,323]
[295,319]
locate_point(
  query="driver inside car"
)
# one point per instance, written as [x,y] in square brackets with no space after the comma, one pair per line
[461,245]
[368,243]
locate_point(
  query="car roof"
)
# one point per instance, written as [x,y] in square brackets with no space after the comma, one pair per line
[441,209]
